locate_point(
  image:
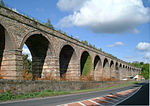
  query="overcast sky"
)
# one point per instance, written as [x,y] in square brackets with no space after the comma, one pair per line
[119,27]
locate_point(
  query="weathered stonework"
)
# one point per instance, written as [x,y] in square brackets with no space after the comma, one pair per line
[23,87]
[52,52]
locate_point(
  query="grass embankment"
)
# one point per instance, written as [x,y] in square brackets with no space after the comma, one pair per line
[9,96]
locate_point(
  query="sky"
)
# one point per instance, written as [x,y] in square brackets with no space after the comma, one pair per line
[118,27]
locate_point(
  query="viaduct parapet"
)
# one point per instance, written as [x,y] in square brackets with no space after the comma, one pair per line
[52,52]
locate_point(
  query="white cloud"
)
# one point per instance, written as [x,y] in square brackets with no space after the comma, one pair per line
[147,55]
[115,44]
[67,5]
[27,52]
[105,16]
[143,46]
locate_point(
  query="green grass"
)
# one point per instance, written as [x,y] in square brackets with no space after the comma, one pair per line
[9,96]
[87,66]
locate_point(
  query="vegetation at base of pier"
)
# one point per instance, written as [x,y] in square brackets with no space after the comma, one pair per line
[144,67]
[27,68]
[10,96]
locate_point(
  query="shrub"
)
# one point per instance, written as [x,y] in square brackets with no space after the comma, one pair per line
[26,75]
[86,78]
[46,76]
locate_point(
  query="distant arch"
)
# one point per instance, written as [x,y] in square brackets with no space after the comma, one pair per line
[112,71]
[106,69]
[97,63]
[105,63]
[97,68]
[117,70]
[120,65]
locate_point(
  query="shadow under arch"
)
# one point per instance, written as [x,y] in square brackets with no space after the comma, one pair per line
[106,69]
[7,43]
[112,71]
[97,74]
[117,70]
[67,57]
[97,63]
[40,48]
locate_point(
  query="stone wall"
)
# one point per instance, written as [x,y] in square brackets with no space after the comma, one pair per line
[26,86]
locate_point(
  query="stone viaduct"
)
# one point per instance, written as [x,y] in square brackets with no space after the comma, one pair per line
[52,51]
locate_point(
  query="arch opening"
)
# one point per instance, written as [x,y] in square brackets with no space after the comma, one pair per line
[112,72]
[6,45]
[106,69]
[2,44]
[67,57]
[117,70]
[120,65]
[121,75]
[111,64]
[39,47]
[97,68]
[85,64]
[27,63]
[97,63]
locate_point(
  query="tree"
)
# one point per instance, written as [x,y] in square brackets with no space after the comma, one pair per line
[84,42]
[48,24]
[144,67]
[27,64]
[2,3]
[27,68]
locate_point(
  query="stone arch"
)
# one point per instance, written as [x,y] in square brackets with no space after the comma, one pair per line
[126,71]
[112,70]
[36,32]
[67,60]
[97,63]
[117,70]
[85,64]
[116,66]
[7,54]
[41,50]
[106,69]
[120,65]
[123,66]
[121,71]
[97,68]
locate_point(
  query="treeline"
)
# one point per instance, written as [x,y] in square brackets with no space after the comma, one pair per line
[144,67]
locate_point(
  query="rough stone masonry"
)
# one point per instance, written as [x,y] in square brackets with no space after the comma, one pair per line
[52,52]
